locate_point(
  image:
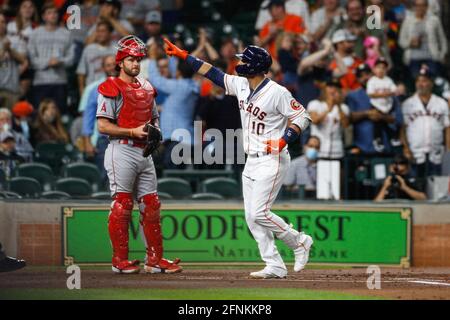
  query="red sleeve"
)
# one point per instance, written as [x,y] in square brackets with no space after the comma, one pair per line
[264,31]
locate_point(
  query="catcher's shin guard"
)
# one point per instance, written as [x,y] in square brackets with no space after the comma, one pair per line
[118,224]
[149,207]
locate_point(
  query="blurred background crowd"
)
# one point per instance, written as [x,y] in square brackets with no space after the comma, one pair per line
[376,86]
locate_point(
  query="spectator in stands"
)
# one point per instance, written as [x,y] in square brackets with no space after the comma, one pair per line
[356,23]
[48,127]
[365,118]
[89,11]
[9,158]
[22,112]
[23,146]
[12,55]
[303,170]
[329,117]
[51,51]
[110,12]
[179,107]
[324,21]
[206,52]
[26,20]
[90,66]
[8,263]
[153,22]
[94,144]
[426,130]
[296,7]
[400,184]
[228,51]
[293,48]
[423,39]
[134,11]
[345,61]
[281,21]
[221,112]
[313,73]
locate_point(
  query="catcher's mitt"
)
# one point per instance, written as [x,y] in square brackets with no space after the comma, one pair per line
[154,138]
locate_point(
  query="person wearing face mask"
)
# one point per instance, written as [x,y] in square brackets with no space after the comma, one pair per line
[21,115]
[303,170]
[23,146]
[48,126]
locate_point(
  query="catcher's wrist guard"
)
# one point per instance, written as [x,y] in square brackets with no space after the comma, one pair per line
[154,139]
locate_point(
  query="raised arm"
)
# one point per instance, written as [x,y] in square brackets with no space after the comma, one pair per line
[199,66]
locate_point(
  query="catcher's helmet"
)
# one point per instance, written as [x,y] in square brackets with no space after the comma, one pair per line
[256,60]
[130,46]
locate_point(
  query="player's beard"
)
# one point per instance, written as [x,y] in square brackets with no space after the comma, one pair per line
[131,72]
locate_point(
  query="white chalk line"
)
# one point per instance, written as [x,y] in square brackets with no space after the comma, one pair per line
[430,283]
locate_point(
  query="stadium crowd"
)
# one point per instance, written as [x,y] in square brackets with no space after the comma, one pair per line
[373,92]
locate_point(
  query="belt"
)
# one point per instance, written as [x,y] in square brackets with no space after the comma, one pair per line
[258,154]
[133,143]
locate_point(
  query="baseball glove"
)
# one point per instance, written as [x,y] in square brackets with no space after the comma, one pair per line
[154,139]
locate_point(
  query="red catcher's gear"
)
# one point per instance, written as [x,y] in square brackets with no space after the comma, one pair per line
[138,100]
[149,206]
[130,46]
[118,224]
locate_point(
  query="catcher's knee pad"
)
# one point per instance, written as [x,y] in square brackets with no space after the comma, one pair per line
[149,206]
[121,206]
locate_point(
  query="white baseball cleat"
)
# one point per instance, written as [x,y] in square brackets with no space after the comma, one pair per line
[264,274]
[302,253]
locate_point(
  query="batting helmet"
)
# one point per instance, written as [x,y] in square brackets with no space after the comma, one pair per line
[130,46]
[255,60]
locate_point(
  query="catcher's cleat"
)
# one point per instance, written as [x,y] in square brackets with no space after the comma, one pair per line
[265,274]
[126,267]
[11,264]
[302,253]
[164,266]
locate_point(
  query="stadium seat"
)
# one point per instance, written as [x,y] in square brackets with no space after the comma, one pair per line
[176,187]
[101,195]
[226,187]
[75,187]
[39,171]
[164,196]
[26,187]
[83,170]
[57,195]
[9,195]
[206,196]
[55,154]
[2,179]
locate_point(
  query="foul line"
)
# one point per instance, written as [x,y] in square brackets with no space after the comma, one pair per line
[430,282]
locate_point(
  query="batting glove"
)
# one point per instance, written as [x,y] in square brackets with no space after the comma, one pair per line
[275,146]
[173,50]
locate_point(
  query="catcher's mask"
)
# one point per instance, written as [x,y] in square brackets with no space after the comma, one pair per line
[130,46]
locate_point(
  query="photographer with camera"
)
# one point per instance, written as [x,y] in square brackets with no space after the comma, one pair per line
[400,184]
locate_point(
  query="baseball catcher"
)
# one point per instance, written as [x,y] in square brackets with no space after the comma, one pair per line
[127,113]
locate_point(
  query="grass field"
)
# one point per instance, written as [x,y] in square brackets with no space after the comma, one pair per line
[178,294]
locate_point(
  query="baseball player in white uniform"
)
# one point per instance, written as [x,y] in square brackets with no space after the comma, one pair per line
[426,125]
[266,109]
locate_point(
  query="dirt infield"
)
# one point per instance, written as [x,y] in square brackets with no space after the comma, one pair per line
[414,283]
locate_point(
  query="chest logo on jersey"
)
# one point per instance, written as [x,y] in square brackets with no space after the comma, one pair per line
[255,111]
[295,105]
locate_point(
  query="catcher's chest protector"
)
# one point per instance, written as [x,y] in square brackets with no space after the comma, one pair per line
[137,103]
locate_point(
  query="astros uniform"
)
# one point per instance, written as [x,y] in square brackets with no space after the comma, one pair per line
[264,115]
[425,127]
